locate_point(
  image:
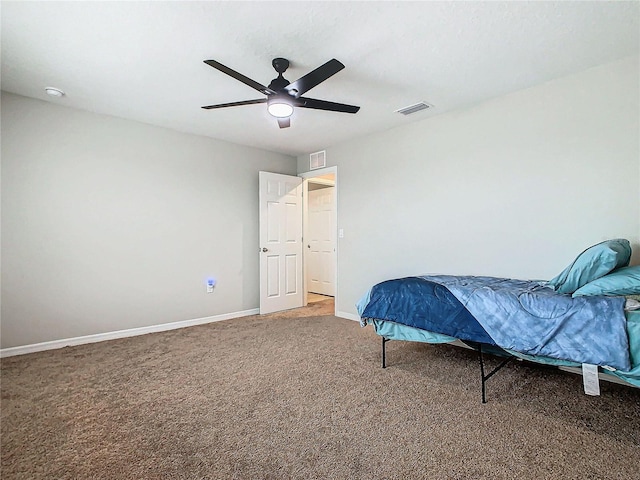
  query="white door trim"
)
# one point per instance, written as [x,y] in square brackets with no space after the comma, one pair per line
[305,222]
[319,172]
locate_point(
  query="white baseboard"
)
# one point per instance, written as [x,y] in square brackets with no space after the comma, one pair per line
[131,332]
[348,316]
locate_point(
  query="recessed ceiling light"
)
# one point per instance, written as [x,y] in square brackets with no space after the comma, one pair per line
[54,92]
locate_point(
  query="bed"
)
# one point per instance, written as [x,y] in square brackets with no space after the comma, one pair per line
[585,320]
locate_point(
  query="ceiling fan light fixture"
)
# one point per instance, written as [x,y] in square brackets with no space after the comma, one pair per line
[279,107]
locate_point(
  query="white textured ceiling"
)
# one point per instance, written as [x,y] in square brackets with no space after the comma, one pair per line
[144,60]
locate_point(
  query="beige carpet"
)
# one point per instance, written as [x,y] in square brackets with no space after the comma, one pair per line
[301,395]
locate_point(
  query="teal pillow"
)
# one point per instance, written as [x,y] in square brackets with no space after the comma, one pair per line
[624,281]
[593,263]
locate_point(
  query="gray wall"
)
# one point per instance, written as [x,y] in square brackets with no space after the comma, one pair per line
[109,224]
[514,187]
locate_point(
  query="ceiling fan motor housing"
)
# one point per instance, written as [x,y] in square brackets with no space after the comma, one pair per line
[279,83]
[280,65]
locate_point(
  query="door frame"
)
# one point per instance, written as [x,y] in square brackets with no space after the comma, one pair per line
[306,176]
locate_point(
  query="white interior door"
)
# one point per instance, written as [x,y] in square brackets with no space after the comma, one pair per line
[281,285]
[321,243]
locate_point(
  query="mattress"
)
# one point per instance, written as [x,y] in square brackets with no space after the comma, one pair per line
[398,331]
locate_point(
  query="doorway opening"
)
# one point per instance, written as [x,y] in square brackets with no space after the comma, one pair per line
[320,213]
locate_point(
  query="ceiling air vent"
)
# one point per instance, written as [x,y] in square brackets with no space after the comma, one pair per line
[318,160]
[414,108]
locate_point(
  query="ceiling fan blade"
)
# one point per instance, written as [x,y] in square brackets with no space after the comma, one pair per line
[324,105]
[235,104]
[311,79]
[238,76]
[284,122]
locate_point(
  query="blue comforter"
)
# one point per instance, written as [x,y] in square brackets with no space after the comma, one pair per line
[519,315]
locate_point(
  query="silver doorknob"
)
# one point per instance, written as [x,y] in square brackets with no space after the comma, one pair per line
[265,249]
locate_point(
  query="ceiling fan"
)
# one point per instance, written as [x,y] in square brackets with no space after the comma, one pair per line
[282,95]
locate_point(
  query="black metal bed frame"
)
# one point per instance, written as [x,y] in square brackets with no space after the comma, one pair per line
[475,346]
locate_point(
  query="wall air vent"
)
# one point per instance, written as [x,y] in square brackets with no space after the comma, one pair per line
[318,160]
[414,108]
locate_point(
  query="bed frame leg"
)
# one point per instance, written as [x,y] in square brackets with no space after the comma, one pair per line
[384,352]
[491,373]
[484,394]
[482,376]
